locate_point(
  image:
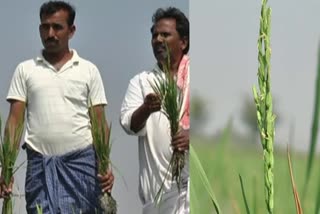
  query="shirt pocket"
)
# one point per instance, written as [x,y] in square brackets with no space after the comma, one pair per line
[76,91]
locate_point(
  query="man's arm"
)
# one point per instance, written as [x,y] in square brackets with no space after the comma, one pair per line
[151,104]
[137,106]
[15,119]
[14,123]
[98,111]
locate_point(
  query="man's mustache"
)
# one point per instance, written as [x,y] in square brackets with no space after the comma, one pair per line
[51,40]
[160,47]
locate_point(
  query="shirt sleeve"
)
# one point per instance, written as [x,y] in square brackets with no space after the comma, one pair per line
[132,101]
[18,88]
[96,89]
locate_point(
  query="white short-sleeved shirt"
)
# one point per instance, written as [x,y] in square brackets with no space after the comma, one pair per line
[154,138]
[57,102]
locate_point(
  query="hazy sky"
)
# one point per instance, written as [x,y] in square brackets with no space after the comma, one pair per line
[115,35]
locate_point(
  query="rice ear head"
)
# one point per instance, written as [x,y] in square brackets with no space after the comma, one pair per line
[263,101]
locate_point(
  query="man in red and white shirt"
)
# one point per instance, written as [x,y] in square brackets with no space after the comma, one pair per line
[141,116]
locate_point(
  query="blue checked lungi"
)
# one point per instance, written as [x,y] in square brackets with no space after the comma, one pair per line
[62,184]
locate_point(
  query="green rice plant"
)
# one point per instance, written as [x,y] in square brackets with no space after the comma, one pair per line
[263,101]
[171,98]
[317,209]
[313,141]
[39,209]
[200,181]
[294,188]
[244,195]
[314,130]
[199,172]
[9,150]
[255,195]
[101,142]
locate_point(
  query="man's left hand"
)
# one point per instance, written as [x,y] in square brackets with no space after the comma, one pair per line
[106,181]
[181,140]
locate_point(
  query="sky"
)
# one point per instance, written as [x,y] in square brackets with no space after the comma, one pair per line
[114,35]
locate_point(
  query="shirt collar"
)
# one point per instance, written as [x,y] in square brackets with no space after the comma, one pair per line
[184,59]
[74,60]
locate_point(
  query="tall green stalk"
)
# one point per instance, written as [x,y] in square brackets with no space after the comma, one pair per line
[245,200]
[263,101]
[294,187]
[314,130]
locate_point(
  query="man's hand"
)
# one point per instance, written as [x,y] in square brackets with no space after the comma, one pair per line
[152,103]
[181,140]
[4,190]
[106,181]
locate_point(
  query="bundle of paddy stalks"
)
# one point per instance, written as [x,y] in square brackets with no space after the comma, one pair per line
[9,150]
[101,141]
[166,88]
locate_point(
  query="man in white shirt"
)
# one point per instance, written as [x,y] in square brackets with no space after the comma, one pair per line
[57,90]
[141,116]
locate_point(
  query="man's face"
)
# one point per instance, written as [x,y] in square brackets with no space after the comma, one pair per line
[165,32]
[55,31]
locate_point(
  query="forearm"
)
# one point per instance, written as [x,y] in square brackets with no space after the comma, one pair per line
[99,122]
[139,118]
[13,130]
[103,127]
[107,128]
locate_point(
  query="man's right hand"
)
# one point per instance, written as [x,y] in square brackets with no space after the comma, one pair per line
[5,190]
[152,103]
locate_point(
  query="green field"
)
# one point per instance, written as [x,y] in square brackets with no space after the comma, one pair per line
[223,162]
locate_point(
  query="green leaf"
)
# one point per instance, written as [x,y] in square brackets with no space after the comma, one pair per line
[244,195]
[314,131]
[199,171]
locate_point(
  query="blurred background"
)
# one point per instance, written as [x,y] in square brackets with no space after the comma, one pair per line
[224,68]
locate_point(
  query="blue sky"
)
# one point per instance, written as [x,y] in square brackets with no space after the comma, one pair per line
[115,35]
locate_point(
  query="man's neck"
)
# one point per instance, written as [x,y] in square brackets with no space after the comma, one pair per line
[174,65]
[58,59]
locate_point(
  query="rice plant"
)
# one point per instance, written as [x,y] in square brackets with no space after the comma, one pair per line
[245,200]
[101,142]
[9,150]
[294,188]
[171,98]
[314,130]
[199,172]
[263,101]
[39,209]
